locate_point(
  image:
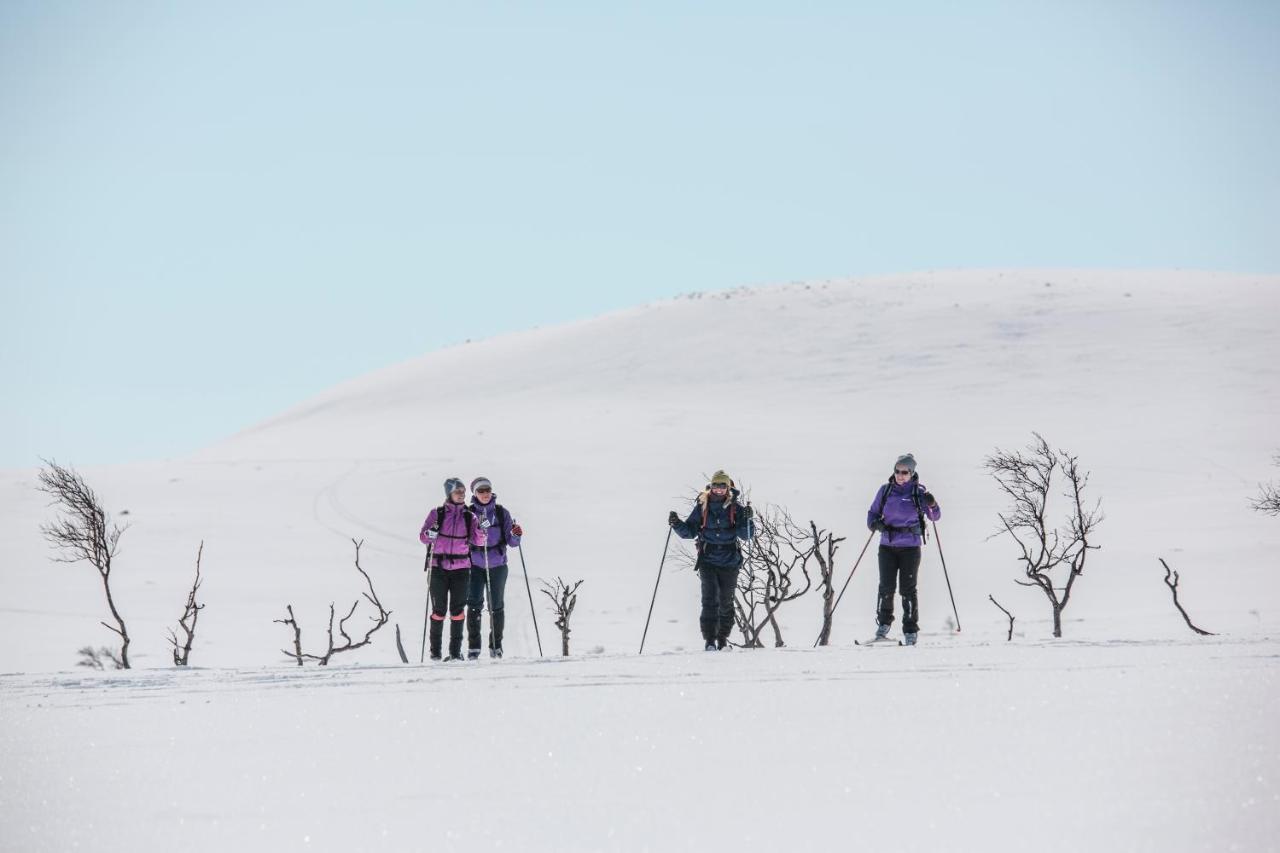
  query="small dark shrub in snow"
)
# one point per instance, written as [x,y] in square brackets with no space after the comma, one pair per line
[564,597]
[1030,478]
[1268,499]
[182,651]
[348,644]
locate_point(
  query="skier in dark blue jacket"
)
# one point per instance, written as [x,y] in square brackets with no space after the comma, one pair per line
[717,522]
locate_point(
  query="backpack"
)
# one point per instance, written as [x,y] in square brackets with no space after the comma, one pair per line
[915,497]
[467,513]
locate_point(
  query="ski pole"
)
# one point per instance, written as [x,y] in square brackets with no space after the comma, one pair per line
[938,539]
[856,563]
[527,589]
[488,590]
[670,530]
[426,617]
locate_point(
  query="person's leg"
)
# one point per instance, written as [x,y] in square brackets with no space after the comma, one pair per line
[888,585]
[728,582]
[439,593]
[458,579]
[909,571]
[710,602]
[475,606]
[497,618]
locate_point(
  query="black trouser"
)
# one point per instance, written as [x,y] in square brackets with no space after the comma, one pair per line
[718,585]
[475,605]
[899,567]
[448,592]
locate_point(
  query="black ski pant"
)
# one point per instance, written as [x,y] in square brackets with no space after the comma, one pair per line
[448,594]
[475,605]
[899,568]
[718,585]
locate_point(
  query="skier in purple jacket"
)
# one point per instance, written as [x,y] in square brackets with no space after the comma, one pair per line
[489,567]
[450,531]
[898,512]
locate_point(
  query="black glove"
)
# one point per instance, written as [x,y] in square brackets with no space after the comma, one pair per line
[673,519]
[929,499]
[878,524]
[747,512]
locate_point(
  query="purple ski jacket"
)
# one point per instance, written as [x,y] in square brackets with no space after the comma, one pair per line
[900,515]
[452,549]
[497,552]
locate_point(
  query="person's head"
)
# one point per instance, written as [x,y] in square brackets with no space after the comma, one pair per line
[904,468]
[455,490]
[482,489]
[721,483]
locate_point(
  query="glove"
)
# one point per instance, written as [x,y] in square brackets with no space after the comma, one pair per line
[517,530]
[433,532]
[878,524]
[673,519]
[929,499]
[748,513]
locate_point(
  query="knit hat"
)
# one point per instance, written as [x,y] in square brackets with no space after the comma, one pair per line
[721,477]
[907,461]
[480,481]
[451,484]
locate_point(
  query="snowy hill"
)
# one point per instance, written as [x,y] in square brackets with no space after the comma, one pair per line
[1163,383]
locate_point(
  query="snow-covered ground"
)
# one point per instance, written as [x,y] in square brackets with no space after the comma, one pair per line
[1130,733]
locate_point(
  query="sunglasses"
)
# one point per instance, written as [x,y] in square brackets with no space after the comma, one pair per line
[483,490]
[719,487]
[903,473]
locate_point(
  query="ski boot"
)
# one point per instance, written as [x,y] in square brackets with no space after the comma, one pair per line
[495,653]
[882,632]
[473,654]
[710,647]
[909,639]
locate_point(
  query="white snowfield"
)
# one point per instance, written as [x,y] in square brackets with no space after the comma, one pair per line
[1129,733]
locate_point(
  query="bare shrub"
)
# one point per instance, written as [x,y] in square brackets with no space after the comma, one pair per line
[348,644]
[564,597]
[1171,581]
[825,553]
[775,570]
[84,532]
[1029,479]
[1006,613]
[1268,499]
[191,613]
[98,658]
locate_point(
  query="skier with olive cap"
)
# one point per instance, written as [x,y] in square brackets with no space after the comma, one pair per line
[717,522]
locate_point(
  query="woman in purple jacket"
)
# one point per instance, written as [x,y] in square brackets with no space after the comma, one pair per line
[489,567]
[898,512]
[450,531]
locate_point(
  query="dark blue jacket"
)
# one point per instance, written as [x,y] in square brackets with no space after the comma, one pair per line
[726,523]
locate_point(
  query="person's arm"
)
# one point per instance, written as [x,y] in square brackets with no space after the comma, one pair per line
[429,526]
[928,503]
[514,531]
[874,519]
[686,529]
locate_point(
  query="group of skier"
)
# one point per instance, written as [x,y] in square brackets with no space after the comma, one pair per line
[468,556]
[467,549]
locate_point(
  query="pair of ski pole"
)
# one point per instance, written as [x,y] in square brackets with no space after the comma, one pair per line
[941,556]
[488,604]
[856,563]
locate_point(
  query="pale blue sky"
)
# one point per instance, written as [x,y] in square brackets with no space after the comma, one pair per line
[210,211]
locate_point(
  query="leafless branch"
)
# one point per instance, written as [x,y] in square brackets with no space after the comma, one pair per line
[1029,479]
[1171,581]
[84,532]
[400,646]
[771,561]
[98,658]
[296,654]
[1006,613]
[564,597]
[824,552]
[182,652]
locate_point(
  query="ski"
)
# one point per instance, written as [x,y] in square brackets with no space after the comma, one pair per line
[879,641]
